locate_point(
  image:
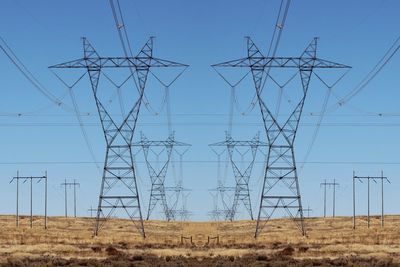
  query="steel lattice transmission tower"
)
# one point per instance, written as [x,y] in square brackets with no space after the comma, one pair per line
[280,188]
[119,187]
[221,192]
[157,175]
[242,173]
[182,213]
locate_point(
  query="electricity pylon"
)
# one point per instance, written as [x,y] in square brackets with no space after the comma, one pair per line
[182,213]
[242,175]
[220,195]
[119,186]
[157,175]
[280,188]
[177,198]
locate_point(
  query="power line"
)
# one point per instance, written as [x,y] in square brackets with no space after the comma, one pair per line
[191,124]
[82,127]
[322,113]
[203,161]
[93,114]
[370,76]
[28,74]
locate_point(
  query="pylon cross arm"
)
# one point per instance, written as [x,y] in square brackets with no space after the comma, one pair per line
[262,63]
[117,62]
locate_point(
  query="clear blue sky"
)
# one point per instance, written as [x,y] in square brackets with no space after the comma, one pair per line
[199,33]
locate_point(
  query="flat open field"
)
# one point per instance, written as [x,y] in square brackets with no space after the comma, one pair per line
[329,242]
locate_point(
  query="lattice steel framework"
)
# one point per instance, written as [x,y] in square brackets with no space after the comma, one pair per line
[281,172]
[182,213]
[242,175]
[157,175]
[119,187]
[220,193]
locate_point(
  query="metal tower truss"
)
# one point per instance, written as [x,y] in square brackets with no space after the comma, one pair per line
[219,196]
[280,188]
[242,172]
[177,198]
[182,213]
[158,174]
[224,192]
[118,187]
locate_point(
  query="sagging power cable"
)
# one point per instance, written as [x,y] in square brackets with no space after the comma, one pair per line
[29,75]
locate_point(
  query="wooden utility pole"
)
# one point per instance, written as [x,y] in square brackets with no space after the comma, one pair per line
[74,185]
[31,178]
[334,184]
[368,178]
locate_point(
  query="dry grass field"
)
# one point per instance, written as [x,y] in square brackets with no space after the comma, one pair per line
[329,242]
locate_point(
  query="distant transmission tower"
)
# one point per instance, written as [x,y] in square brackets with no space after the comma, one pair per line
[178,201]
[182,213]
[119,186]
[242,175]
[157,175]
[280,188]
[219,197]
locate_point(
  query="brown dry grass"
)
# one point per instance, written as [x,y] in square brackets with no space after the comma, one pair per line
[326,238]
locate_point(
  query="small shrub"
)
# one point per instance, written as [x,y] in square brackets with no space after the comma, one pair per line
[287,251]
[111,251]
[96,249]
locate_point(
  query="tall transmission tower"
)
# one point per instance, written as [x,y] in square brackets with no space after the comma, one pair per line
[157,175]
[242,175]
[334,184]
[280,188]
[119,186]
